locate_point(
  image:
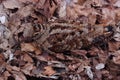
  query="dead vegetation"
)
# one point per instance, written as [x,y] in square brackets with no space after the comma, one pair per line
[22,58]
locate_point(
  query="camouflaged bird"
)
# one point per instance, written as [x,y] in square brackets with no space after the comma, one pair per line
[60,37]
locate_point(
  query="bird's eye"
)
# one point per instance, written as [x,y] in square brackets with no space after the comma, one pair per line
[81,32]
[109,28]
[37,27]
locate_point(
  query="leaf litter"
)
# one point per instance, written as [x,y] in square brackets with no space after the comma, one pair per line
[21,57]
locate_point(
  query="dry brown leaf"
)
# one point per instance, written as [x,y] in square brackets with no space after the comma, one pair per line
[3,15]
[100,66]
[113,46]
[3,19]
[73,67]
[117,34]
[117,12]
[116,58]
[11,4]
[53,8]
[48,71]
[99,3]
[25,11]
[5,33]
[2,58]
[113,1]
[62,9]
[25,1]
[12,68]
[40,3]
[81,2]
[117,3]
[108,16]
[38,51]
[71,13]
[94,51]
[8,68]
[27,30]
[74,11]
[6,75]
[15,68]
[92,19]
[2,63]
[60,56]
[19,76]
[44,57]
[27,47]
[79,52]
[89,72]
[27,68]
[2,78]
[27,58]
[35,71]
[81,10]
[47,9]
[30,48]
[81,68]
[14,22]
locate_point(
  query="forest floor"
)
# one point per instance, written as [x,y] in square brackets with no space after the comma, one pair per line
[23,58]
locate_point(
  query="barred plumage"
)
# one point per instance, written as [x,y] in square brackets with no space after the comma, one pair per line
[60,37]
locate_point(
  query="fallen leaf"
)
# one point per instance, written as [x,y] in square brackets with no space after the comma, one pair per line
[117,37]
[2,19]
[6,75]
[27,30]
[5,33]
[117,3]
[47,9]
[100,66]
[99,3]
[89,72]
[25,1]
[94,51]
[116,58]
[53,8]
[117,34]
[79,52]
[27,68]
[27,47]
[14,22]
[107,18]
[27,58]
[92,19]
[113,46]
[48,71]
[60,56]
[40,3]
[2,78]
[11,4]
[25,11]
[73,67]
[62,9]
[117,14]
[8,54]
[12,68]
[11,56]
[71,13]
[81,2]
[19,76]
[38,51]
